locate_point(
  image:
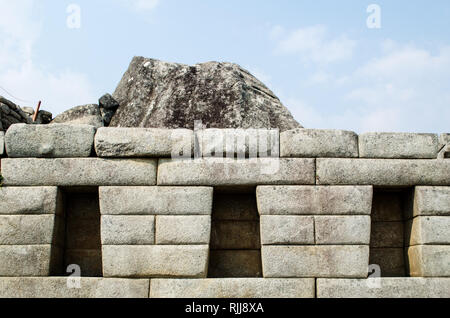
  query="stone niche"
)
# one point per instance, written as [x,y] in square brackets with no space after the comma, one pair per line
[391,210]
[235,249]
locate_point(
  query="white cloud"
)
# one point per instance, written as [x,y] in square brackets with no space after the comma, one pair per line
[314,44]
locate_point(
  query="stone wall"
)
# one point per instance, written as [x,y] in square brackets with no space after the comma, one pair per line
[304,216]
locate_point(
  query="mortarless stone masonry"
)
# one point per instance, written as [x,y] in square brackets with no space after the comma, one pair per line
[156,188]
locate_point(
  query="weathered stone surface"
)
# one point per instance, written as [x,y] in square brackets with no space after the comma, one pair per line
[85,114]
[301,200]
[30,200]
[241,143]
[156,200]
[444,139]
[231,172]
[78,172]
[336,230]
[235,263]
[141,142]
[315,261]
[2,143]
[387,234]
[310,143]
[28,229]
[57,287]
[388,288]
[429,230]
[27,260]
[388,172]
[444,146]
[287,230]
[429,260]
[158,94]
[398,145]
[432,201]
[233,288]
[183,230]
[52,141]
[390,260]
[128,230]
[235,235]
[155,261]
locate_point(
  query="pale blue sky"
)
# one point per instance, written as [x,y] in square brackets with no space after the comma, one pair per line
[319,57]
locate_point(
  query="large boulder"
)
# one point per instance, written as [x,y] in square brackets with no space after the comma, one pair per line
[156,94]
[85,114]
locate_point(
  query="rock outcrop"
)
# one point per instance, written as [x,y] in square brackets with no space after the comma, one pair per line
[85,114]
[156,94]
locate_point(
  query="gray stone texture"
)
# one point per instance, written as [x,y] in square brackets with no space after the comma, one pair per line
[432,201]
[183,230]
[128,230]
[2,143]
[388,172]
[156,94]
[29,200]
[142,142]
[85,114]
[231,172]
[308,200]
[233,288]
[398,145]
[287,230]
[337,230]
[155,261]
[311,143]
[429,230]
[78,172]
[156,200]
[29,229]
[49,141]
[429,260]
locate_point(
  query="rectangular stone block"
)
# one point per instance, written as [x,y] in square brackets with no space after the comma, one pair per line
[287,230]
[78,172]
[30,200]
[233,288]
[231,235]
[433,230]
[143,142]
[235,172]
[384,288]
[183,230]
[241,143]
[383,172]
[28,260]
[432,201]
[128,230]
[30,229]
[387,234]
[307,200]
[49,141]
[315,261]
[429,260]
[155,261]
[337,230]
[2,143]
[398,145]
[57,287]
[444,139]
[235,263]
[311,143]
[156,200]
[390,260]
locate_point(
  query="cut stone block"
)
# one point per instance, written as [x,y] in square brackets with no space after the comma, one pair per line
[183,230]
[398,145]
[235,172]
[432,201]
[429,260]
[241,143]
[144,142]
[315,261]
[237,263]
[28,260]
[233,288]
[156,200]
[29,230]
[128,230]
[2,143]
[384,288]
[387,234]
[386,172]
[307,200]
[429,230]
[336,230]
[58,287]
[235,235]
[49,141]
[155,261]
[444,139]
[311,143]
[30,200]
[390,260]
[444,146]
[78,172]
[287,230]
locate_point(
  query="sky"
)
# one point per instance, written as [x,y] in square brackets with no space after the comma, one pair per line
[350,64]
